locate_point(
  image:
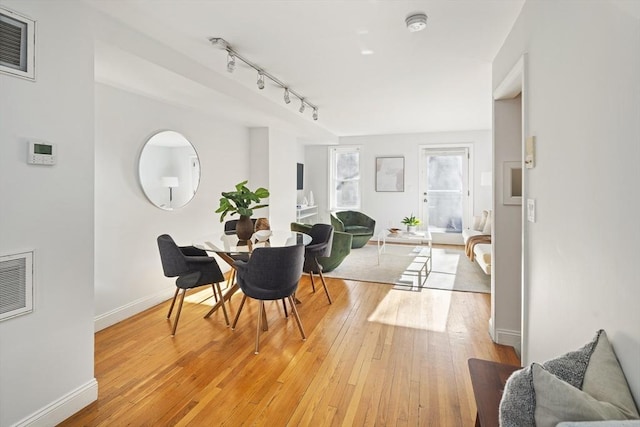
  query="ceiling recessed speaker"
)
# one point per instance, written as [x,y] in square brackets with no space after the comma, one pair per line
[416,22]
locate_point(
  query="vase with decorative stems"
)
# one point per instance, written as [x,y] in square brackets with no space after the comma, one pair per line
[242,201]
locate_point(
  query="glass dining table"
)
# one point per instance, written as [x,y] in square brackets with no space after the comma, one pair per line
[229,248]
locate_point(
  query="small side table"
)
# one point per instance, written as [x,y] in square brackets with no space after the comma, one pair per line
[488,379]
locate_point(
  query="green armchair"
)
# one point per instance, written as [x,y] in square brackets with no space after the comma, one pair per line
[359,225]
[340,248]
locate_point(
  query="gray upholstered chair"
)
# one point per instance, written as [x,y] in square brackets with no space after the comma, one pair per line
[359,225]
[193,268]
[320,246]
[270,274]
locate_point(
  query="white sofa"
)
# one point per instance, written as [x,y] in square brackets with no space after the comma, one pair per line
[481,251]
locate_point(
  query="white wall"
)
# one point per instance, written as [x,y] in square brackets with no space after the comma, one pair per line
[506,258]
[389,208]
[584,109]
[127,224]
[273,165]
[46,357]
[316,179]
[282,179]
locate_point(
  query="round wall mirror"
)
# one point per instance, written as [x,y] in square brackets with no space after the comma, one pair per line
[169,170]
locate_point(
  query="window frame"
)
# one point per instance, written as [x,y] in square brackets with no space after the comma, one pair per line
[333,151]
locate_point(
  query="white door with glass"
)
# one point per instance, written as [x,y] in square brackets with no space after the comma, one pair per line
[445,188]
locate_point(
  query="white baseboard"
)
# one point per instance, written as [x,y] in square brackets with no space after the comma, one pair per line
[119,314]
[62,408]
[491,331]
[507,337]
[504,336]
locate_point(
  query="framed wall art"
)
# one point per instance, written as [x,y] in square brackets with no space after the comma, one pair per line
[389,173]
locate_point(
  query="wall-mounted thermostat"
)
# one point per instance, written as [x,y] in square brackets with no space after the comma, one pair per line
[41,153]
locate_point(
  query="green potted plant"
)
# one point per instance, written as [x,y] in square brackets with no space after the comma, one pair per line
[411,222]
[242,201]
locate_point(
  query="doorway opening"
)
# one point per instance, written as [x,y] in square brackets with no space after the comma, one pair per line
[445,191]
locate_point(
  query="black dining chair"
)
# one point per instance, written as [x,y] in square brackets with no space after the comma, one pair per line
[320,246]
[193,268]
[270,274]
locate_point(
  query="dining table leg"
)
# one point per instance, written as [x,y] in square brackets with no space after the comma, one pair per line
[225,297]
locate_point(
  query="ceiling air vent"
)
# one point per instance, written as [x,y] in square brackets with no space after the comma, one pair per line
[16,285]
[17,44]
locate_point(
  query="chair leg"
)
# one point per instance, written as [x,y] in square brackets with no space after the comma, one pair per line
[324,284]
[175,323]
[260,313]
[224,309]
[284,304]
[235,321]
[295,314]
[173,302]
[313,285]
[265,323]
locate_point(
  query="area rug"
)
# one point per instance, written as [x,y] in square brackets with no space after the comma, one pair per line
[451,269]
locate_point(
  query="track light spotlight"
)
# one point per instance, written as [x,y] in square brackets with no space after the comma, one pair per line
[219,42]
[231,63]
[302,106]
[260,80]
[315,113]
[287,98]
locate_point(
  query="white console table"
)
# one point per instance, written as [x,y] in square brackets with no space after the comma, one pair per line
[306,213]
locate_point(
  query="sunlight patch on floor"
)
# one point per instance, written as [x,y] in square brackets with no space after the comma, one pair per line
[205,296]
[409,310]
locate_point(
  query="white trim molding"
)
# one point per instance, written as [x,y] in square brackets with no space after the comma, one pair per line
[119,314]
[62,408]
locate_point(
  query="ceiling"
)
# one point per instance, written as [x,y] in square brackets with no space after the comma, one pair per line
[435,80]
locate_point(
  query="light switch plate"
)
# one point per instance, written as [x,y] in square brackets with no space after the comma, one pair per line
[530,152]
[531,210]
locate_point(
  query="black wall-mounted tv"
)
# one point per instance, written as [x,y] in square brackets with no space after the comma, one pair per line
[300,177]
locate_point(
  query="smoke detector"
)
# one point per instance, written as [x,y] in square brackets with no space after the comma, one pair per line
[416,22]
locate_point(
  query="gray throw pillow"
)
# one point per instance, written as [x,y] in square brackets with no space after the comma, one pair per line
[589,381]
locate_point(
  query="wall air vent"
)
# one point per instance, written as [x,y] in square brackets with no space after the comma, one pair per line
[17,44]
[16,285]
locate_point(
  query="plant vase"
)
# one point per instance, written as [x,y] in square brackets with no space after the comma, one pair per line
[244,228]
[412,228]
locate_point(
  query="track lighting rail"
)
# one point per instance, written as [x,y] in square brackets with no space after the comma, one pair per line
[233,54]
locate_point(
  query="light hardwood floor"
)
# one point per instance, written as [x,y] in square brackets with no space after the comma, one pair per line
[376,356]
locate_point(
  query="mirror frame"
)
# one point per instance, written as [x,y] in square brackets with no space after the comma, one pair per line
[169,179]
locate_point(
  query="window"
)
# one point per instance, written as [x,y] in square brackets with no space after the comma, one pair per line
[344,178]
